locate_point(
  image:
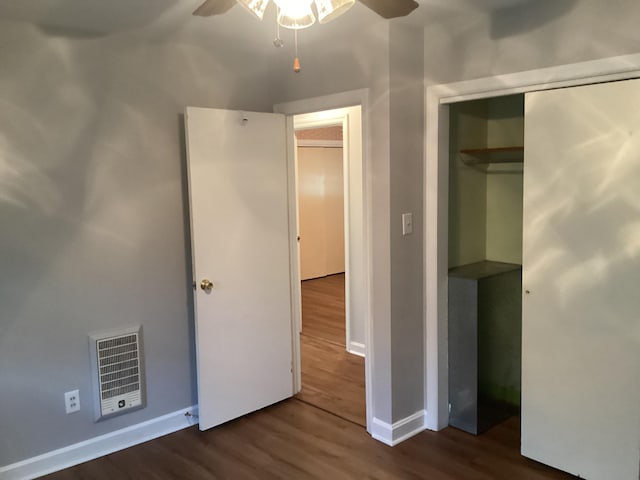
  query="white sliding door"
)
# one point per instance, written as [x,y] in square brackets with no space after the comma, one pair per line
[581,280]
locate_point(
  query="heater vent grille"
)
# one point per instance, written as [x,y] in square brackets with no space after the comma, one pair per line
[119,374]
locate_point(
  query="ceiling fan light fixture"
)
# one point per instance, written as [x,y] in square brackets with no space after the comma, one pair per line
[255,7]
[330,9]
[295,14]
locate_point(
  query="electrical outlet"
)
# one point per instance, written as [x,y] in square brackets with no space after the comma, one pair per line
[72,401]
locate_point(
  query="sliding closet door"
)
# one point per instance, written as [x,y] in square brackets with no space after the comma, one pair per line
[581,280]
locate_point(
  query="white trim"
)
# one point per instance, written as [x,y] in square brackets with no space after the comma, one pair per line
[436,193]
[320,143]
[401,430]
[335,101]
[294,255]
[357,348]
[96,447]
[323,103]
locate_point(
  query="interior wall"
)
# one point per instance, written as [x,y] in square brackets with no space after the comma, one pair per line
[321,211]
[485,206]
[93,212]
[505,128]
[463,43]
[406,94]
[467,185]
[504,217]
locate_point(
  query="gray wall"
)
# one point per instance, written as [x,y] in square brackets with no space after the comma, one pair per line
[406,159]
[462,44]
[92,212]
[92,190]
[467,185]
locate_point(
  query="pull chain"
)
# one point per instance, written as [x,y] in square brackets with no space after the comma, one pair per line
[296,61]
[278,41]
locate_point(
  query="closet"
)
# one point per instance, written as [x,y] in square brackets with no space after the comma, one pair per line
[485,257]
[576,208]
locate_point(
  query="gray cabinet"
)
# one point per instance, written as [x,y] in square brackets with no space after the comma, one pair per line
[485,335]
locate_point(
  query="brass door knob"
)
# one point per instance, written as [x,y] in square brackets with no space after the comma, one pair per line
[206,285]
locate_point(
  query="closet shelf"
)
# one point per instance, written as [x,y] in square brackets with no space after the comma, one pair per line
[494,159]
[493,155]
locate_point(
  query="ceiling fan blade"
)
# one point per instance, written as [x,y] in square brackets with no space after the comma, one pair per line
[214,7]
[391,8]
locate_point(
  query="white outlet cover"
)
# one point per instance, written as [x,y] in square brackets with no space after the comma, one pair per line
[407,223]
[72,401]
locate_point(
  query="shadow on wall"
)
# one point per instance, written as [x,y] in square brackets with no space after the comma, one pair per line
[91,207]
[526,16]
[86,18]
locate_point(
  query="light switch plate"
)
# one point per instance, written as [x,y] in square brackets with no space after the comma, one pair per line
[407,223]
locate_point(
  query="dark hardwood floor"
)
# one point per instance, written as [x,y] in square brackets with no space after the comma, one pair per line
[323,309]
[294,440]
[300,439]
[332,378]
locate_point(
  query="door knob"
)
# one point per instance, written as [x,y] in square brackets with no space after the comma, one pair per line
[206,285]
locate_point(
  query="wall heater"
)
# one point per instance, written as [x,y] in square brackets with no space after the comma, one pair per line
[118,372]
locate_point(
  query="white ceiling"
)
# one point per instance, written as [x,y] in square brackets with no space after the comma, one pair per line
[99,17]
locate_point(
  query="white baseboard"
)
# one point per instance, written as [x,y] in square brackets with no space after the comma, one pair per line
[99,446]
[357,349]
[400,431]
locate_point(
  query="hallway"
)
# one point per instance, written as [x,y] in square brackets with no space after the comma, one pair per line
[332,378]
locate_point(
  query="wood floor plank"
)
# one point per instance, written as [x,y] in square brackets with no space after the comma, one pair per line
[294,440]
[323,308]
[332,378]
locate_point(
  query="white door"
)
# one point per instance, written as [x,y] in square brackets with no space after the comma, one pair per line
[581,280]
[238,177]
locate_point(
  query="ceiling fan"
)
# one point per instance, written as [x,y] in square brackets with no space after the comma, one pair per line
[330,8]
[299,14]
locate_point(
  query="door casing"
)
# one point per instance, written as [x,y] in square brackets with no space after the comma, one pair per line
[436,188]
[340,117]
[309,106]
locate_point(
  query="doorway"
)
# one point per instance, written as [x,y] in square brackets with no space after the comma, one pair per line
[485,261]
[352,109]
[328,178]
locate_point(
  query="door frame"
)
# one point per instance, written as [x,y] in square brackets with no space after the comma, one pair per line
[314,105]
[436,188]
[334,118]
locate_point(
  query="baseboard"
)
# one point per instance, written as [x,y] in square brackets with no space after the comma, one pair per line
[357,349]
[400,431]
[99,446]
